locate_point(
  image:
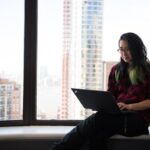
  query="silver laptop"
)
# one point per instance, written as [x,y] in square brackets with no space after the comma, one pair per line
[97,100]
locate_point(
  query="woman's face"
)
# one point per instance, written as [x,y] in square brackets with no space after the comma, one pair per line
[125,52]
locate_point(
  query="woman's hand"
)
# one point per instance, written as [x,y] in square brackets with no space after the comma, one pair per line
[143,105]
[123,106]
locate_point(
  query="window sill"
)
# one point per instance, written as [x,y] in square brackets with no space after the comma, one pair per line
[45,133]
[33,132]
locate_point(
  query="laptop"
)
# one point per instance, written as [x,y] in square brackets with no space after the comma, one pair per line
[98,100]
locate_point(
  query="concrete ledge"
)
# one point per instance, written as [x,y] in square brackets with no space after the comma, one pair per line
[41,138]
[47,132]
[33,132]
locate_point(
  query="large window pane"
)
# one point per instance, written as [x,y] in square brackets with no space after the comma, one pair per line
[77,42]
[49,58]
[11,59]
[69,55]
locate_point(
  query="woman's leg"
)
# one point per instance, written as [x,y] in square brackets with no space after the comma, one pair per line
[135,125]
[108,126]
[98,127]
[131,124]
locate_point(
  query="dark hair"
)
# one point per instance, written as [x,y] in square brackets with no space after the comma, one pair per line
[137,48]
[140,62]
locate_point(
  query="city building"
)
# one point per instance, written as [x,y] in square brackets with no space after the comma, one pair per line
[82,53]
[107,65]
[10,100]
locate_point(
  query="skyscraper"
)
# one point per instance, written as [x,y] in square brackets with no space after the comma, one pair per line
[67,31]
[10,100]
[82,53]
[107,65]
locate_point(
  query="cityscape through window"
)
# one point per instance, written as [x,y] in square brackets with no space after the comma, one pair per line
[11,59]
[77,43]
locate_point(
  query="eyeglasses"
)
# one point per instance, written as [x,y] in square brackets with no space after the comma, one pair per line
[121,50]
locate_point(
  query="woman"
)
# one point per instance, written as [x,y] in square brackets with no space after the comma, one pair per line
[129,82]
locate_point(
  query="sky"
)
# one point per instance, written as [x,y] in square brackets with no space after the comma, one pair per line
[124,16]
[11,36]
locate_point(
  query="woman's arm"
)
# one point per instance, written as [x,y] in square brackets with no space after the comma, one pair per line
[143,105]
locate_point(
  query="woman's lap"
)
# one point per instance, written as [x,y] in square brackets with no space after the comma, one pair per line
[100,126]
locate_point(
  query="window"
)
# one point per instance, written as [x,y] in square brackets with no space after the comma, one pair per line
[11,59]
[41,60]
[18,61]
[62,66]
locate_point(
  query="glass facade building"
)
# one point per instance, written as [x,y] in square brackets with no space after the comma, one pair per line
[82,53]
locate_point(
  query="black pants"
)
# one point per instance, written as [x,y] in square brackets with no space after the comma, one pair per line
[97,129]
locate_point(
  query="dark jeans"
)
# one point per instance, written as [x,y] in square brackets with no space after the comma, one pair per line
[97,129]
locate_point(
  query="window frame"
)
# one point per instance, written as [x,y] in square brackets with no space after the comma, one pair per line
[30,72]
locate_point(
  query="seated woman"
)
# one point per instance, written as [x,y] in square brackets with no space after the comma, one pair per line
[129,82]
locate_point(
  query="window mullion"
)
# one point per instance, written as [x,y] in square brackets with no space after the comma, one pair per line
[29,107]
